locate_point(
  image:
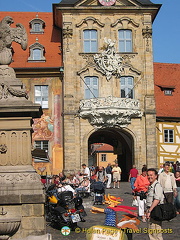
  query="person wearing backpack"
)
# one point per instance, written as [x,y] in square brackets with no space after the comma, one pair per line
[154,197]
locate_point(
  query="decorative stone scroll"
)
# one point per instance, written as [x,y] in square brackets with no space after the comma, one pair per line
[14,178]
[110,111]
[6,91]
[127,19]
[90,19]
[109,63]
[127,57]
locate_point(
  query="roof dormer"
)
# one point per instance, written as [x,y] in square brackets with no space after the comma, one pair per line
[168,90]
[37,52]
[37,26]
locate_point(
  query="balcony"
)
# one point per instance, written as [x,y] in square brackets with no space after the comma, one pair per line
[109,111]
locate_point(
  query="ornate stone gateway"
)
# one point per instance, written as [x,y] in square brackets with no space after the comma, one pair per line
[21,192]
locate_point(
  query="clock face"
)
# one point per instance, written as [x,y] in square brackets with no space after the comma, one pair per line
[107,2]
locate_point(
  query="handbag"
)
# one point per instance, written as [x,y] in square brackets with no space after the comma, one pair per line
[135,203]
[163,212]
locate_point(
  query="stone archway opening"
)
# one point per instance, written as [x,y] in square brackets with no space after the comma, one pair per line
[123,147]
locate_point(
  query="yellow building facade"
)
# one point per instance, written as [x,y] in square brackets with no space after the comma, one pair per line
[167,97]
[168,138]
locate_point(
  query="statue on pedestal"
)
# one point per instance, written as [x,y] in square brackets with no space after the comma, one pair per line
[7,36]
[7,75]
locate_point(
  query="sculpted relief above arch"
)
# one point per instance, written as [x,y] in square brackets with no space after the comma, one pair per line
[89,21]
[125,21]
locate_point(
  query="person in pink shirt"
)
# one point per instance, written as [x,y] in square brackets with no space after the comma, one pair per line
[141,187]
[132,176]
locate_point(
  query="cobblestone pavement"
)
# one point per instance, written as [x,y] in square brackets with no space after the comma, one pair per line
[173,227]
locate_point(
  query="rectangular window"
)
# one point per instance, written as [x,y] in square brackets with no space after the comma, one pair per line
[36,54]
[40,152]
[41,95]
[91,87]
[103,157]
[168,136]
[127,85]
[42,144]
[37,27]
[125,40]
[167,92]
[90,41]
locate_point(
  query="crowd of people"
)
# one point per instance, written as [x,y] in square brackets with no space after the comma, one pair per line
[81,180]
[149,188]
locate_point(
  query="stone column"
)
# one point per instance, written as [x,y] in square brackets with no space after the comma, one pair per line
[21,191]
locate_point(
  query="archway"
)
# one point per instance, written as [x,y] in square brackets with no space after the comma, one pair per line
[123,145]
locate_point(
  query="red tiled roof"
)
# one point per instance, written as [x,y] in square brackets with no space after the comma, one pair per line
[167,75]
[50,40]
[105,148]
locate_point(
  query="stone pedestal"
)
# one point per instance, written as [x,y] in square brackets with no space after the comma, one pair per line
[21,191]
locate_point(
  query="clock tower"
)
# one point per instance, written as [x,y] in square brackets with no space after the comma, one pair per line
[108,85]
[107,2]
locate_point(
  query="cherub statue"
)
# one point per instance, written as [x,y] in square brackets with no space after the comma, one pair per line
[7,36]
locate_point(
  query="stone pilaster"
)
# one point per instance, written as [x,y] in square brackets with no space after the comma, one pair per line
[21,191]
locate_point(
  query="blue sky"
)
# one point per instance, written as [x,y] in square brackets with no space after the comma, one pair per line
[166,32]
[166,27]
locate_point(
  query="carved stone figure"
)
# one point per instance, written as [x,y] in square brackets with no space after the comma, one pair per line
[10,86]
[3,148]
[7,36]
[109,63]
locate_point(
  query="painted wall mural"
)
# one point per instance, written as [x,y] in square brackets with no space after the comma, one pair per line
[43,128]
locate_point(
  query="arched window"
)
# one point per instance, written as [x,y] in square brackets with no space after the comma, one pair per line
[125,40]
[91,87]
[127,87]
[90,41]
